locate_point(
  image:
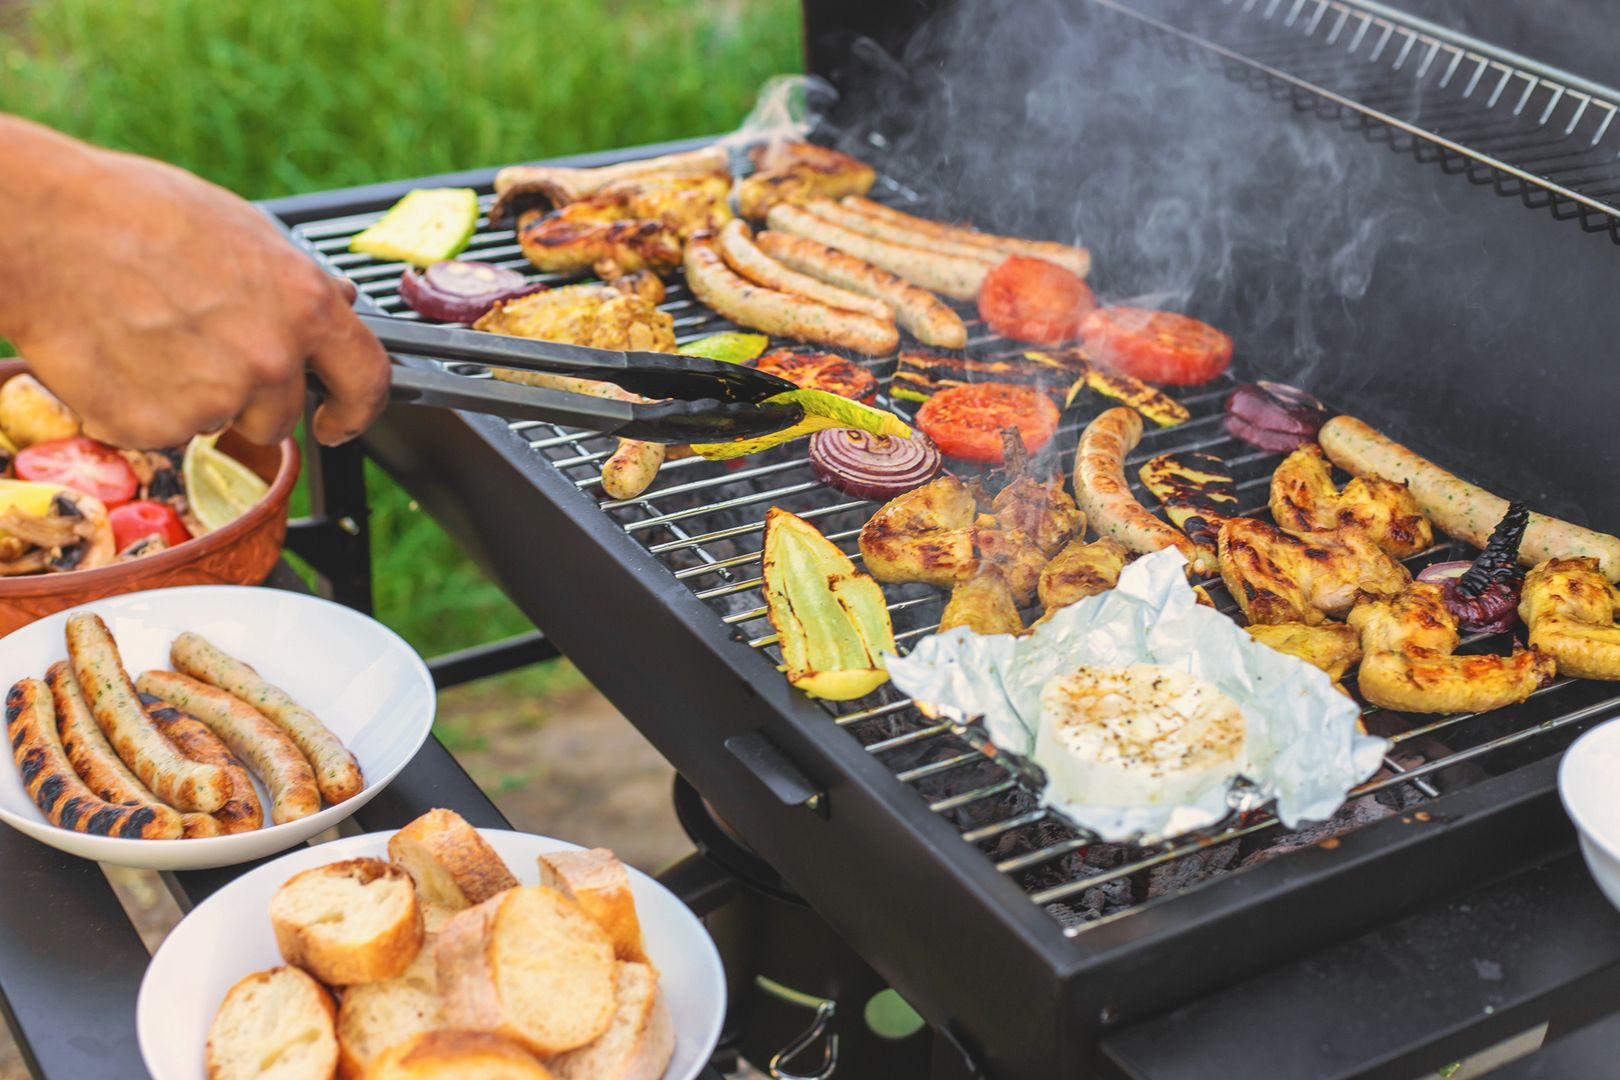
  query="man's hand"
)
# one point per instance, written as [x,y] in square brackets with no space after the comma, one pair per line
[158,305]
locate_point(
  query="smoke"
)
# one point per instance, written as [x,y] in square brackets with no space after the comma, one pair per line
[1193,192]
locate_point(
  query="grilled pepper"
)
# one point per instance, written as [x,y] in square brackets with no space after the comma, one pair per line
[831,620]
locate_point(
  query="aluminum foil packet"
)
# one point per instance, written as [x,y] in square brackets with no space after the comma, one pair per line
[1301,743]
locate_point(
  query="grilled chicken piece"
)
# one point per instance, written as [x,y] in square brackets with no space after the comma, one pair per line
[1198,494]
[797,173]
[1042,511]
[597,315]
[1304,499]
[630,225]
[1407,663]
[1331,646]
[1277,577]
[927,535]
[1570,608]
[1080,570]
[560,184]
[984,604]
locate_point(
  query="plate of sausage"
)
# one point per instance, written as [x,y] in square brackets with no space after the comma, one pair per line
[184,728]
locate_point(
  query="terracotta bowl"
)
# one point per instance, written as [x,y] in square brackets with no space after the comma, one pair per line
[241,553]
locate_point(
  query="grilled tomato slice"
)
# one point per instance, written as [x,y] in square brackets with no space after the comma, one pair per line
[81,464]
[1034,300]
[966,422]
[821,371]
[1159,346]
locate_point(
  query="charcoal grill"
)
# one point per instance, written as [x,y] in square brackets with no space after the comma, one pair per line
[1033,951]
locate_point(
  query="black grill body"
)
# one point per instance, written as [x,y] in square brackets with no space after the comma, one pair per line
[1480,339]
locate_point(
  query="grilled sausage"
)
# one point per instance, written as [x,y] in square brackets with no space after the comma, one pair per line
[94,759]
[57,790]
[1102,492]
[1460,509]
[742,255]
[881,229]
[921,313]
[1074,259]
[337,773]
[632,467]
[242,812]
[949,275]
[250,735]
[174,778]
[780,313]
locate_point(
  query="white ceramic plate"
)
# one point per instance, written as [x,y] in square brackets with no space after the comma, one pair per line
[1586,783]
[228,937]
[354,673]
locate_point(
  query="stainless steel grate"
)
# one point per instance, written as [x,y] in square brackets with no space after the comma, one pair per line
[704,522]
[1547,137]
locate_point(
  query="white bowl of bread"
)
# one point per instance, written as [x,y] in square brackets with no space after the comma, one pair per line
[438,952]
[284,714]
[1586,783]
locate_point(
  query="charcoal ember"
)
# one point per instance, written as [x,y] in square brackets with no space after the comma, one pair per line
[1042,834]
[1190,869]
[1351,816]
[1094,903]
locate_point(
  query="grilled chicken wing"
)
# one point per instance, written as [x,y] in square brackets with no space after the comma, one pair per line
[1408,664]
[927,535]
[1042,511]
[1331,646]
[630,225]
[1570,608]
[1304,499]
[796,173]
[1277,577]
[1080,570]
[984,604]
[597,315]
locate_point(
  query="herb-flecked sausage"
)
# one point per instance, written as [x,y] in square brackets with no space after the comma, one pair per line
[173,777]
[955,276]
[1111,507]
[242,812]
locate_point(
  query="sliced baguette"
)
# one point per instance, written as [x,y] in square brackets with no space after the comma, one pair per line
[529,965]
[274,1025]
[598,882]
[453,866]
[637,1045]
[375,1016]
[349,922]
[449,1054]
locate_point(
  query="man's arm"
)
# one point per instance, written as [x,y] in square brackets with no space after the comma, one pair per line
[158,305]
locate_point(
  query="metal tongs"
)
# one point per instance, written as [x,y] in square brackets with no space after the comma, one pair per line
[694,399]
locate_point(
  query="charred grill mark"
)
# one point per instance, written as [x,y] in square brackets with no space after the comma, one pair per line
[108,821]
[52,787]
[136,823]
[33,760]
[72,810]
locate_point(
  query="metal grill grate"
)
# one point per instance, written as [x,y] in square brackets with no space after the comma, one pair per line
[1544,136]
[704,522]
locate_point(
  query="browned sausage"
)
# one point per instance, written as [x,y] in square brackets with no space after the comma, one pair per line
[922,314]
[250,735]
[949,275]
[744,256]
[780,313]
[1102,492]
[174,778]
[57,790]
[927,233]
[242,811]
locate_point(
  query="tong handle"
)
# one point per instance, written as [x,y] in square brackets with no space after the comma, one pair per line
[498,350]
[440,389]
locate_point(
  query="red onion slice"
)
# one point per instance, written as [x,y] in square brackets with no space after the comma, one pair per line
[870,466]
[1273,416]
[1442,572]
[457,290]
[1493,611]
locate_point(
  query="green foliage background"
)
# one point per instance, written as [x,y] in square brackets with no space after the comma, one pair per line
[271,97]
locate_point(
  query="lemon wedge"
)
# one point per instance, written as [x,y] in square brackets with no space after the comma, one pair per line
[219,488]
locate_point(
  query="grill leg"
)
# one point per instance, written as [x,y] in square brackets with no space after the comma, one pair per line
[336,539]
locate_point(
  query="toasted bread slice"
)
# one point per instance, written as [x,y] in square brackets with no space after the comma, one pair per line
[599,883]
[377,1015]
[453,865]
[273,1025]
[639,1042]
[449,1054]
[530,965]
[349,922]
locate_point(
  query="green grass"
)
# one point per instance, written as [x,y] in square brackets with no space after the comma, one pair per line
[271,97]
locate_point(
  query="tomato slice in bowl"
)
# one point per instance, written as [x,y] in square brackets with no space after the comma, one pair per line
[966,422]
[1156,346]
[146,517]
[81,464]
